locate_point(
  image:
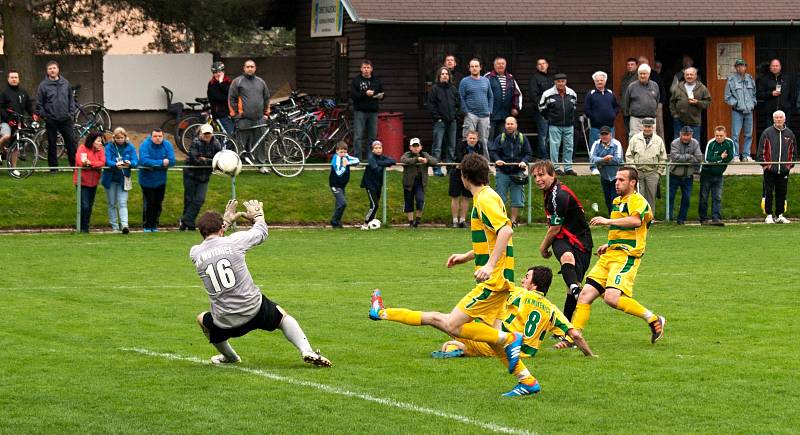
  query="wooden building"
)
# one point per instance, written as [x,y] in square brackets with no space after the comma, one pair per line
[407,39]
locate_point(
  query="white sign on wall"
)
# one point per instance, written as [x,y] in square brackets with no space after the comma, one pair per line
[326,18]
[133,82]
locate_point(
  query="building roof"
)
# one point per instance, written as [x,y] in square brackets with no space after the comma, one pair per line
[574,12]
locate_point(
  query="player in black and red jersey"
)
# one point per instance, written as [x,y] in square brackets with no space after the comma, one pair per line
[568,233]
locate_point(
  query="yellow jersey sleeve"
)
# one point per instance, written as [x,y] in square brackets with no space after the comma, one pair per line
[639,206]
[492,212]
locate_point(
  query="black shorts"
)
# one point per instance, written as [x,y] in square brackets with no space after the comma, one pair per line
[268,318]
[457,188]
[582,259]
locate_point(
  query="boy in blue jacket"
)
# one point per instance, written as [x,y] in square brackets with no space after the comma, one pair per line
[373,179]
[155,156]
[338,179]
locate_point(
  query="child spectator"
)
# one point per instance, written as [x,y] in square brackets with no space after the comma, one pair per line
[338,179]
[92,158]
[120,158]
[415,179]
[373,179]
[459,195]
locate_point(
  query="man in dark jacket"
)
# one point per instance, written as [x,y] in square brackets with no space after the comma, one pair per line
[195,180]
[217,93]
[511,153]
[775,91]
[777,144]
[366,91]
[540,82]
[13,99]
[443,102]
[600,106]
[507,99]
[56,104]
[452,67]
[685,150]
[558,105]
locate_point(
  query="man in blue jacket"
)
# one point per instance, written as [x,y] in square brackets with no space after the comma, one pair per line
[155,156]
[601,107]
[507,98]
[56,104]
[511,153]
[740,94]
[607,156]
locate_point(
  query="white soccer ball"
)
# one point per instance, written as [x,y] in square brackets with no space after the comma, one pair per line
[374,224]
[227,162]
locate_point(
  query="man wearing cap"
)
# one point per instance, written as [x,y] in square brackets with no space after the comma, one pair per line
[607,157]
[689,99]
[647,154]
[740,94]
[195,180]
[641,100]
[217,93]
[685,150]
[558,105]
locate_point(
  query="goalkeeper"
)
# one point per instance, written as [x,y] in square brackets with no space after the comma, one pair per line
[237,305]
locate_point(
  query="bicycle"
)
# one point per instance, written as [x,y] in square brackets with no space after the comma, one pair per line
[94,114]
[180,118]
[188,134]
[282,153]
[320,130]
[21,154]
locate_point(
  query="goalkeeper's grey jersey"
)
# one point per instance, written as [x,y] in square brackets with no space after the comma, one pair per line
[219,261]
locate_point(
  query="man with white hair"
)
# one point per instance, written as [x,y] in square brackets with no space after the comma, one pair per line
[641,99]
[601,107]
[777,144]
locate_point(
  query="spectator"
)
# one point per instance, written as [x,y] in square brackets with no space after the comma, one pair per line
[452,67]
[459,195]
[776,144]
[506,96]
[686,62]
[655,75]
[366,91]
[155,156]
[338,179]
[640,100]
[688,101]
[775,92]
[415,179]
[91,158]
[372,181]
[218,88]
[647,154]
[56,104]
[511,153]
[630,76]
[601,107]
[718,150]
[476,104]
[540,82]
[685,149]
[116,179]
[740,94]
[443,102]
[607,156]
[195,180]
[248,100]
[558,105]
[14,99]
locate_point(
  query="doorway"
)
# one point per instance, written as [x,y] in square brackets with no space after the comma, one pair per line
[670,51]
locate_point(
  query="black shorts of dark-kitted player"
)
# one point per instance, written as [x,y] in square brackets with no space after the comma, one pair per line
[268,318]
[582,258]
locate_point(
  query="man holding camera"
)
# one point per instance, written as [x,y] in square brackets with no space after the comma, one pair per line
[511,153]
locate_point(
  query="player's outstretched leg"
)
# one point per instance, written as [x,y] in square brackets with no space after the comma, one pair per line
[629,305]
[294,333]
[227,354]
[401,315]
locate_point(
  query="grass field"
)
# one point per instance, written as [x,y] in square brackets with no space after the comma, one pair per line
[99,336]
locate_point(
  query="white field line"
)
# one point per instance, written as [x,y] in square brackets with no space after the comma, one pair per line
[339,391]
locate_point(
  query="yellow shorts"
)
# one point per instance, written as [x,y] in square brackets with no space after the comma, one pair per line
[476,348]
[616,269]
[483,303]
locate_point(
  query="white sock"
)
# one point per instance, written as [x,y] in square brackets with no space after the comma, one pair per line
[226,349]
[455,220]
[291,329]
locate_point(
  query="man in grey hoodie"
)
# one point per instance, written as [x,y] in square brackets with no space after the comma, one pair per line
[56,104]
[248,101]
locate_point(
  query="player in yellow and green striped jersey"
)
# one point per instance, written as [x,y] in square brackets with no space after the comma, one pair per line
[493,253]
[614,274]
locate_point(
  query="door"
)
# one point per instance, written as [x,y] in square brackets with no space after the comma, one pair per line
[721,53]
[622,49]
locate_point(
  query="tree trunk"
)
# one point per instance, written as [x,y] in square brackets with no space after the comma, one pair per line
[18,44]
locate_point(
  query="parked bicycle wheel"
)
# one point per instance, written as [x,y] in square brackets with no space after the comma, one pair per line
[22,154]
[286,157]
[187,136]
[261,149]
[40,139]
[168,127]
[227,142]
[301,137]
[183,124]
[93,114]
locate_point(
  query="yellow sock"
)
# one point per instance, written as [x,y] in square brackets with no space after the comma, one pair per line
[634,308]
[480,332]
[581,316]
[521,372]
[403,315]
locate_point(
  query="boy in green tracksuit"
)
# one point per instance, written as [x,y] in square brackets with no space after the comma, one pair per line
[718,150]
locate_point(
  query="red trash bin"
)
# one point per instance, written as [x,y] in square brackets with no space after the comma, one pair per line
[390,133]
